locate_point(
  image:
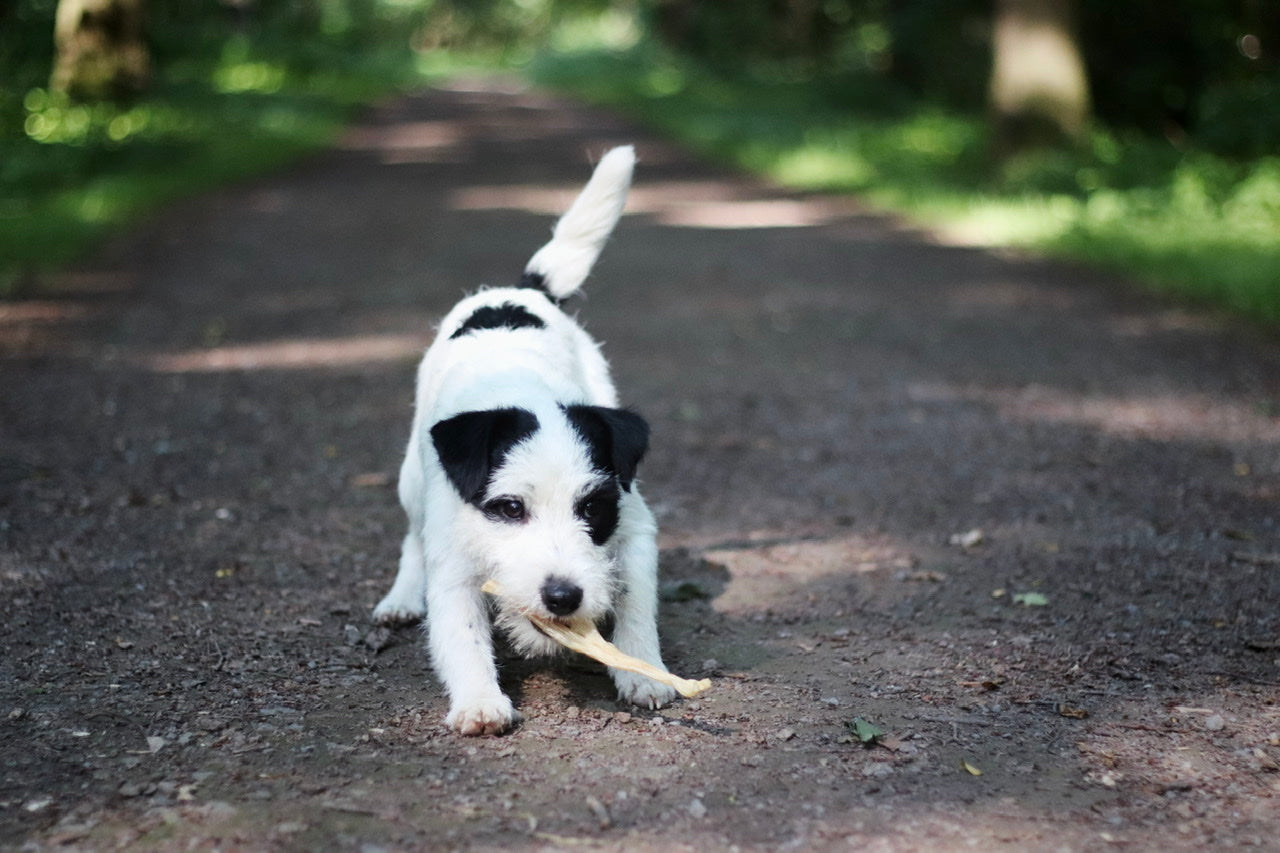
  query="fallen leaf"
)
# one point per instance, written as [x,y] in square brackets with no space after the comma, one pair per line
[970,769]
[987,684]
[1255,559]
[890,743]
[371,480]
[1073,713]
[1030,599]
[865,732]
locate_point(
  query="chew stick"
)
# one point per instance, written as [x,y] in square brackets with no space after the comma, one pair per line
[580,635]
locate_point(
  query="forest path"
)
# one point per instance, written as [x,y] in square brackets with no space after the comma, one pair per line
[1020,519]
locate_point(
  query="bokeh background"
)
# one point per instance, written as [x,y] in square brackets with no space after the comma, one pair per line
[1140,136]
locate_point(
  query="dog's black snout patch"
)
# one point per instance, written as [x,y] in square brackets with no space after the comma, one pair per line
[561,597]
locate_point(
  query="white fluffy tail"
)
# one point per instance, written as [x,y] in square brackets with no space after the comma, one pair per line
[576,241]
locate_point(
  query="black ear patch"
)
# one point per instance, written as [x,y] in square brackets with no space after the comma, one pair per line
[508,315]
[471,445]
[617,439]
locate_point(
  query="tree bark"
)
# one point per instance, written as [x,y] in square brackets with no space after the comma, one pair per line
[1039,92]
[101,51]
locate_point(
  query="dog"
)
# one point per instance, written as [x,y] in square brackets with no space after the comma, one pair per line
[521,468]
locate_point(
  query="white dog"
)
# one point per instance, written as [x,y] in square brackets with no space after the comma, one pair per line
[521,469]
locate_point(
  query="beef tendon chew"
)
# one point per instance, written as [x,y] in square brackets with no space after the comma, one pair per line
[581,635]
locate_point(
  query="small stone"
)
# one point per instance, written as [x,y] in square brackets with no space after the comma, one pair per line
[1215,723]
[697,810]
[378,638]
[968,539]
[129,789]
[37,804]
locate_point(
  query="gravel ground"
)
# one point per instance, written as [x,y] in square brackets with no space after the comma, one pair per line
[1015,517]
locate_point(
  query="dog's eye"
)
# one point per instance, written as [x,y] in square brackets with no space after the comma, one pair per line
[506,509]
[592,509]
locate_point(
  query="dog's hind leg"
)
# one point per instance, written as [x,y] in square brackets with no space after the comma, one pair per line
[635,630]
[407,599]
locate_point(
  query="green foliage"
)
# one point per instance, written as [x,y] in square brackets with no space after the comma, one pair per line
[234,94]
[1188,222]
[1204,71]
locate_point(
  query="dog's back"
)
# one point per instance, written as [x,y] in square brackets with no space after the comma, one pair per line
[537,351]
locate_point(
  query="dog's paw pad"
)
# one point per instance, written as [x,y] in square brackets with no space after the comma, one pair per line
[389,612]
[643,692]
[486,718]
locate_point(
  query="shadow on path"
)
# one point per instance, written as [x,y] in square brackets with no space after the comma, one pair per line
[198,436]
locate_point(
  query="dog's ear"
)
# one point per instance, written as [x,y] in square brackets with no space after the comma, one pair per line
[472,444]
[617,439]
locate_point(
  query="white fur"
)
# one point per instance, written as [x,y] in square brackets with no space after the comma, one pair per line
[581,233]
[452,546]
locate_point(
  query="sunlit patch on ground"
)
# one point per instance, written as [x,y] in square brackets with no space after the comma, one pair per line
[1167,416]
[682,204]
[295,354]
[768,576]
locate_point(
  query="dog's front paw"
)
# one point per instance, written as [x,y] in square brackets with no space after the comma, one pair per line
[394,610]
[490,717]
[642,691]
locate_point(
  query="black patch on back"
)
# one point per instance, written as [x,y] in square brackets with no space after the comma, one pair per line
[536,281]
[473,444]
[508,315]
[599,512]
[617,439]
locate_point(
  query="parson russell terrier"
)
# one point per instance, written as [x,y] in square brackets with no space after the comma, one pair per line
[521,468]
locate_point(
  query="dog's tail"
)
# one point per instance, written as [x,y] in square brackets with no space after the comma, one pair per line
[562,265]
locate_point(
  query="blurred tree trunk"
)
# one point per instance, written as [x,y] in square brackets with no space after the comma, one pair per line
[101,52]
[1039,93]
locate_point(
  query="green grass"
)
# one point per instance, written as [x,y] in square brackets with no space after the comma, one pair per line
[1197,227]
[226,107]
[72,174]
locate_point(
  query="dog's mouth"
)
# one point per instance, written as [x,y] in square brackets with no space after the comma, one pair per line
[604,624]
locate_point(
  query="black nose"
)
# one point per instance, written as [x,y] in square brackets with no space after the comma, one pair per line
[561,596]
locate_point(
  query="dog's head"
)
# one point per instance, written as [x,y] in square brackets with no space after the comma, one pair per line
[544,498]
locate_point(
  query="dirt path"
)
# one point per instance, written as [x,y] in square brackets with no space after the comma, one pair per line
[198,433]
